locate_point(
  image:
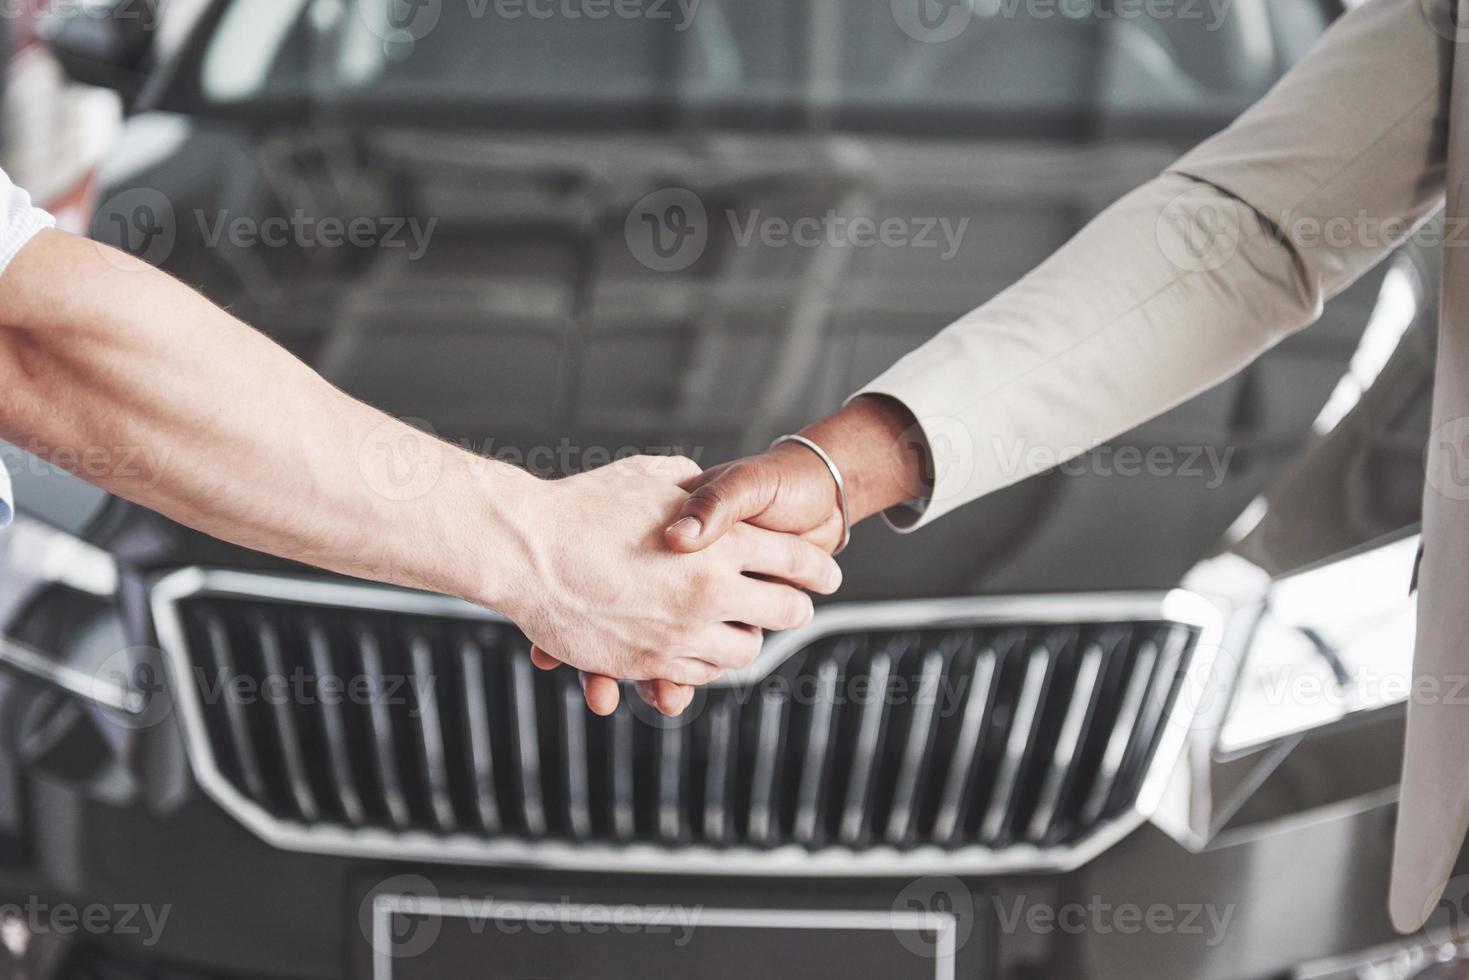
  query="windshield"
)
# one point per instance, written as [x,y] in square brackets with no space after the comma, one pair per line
[823,60]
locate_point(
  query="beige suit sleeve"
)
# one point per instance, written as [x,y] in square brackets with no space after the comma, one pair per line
[1189,278]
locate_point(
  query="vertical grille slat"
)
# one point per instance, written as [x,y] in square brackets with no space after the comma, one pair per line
[670,781]
[574,731]
[762,827]
[477,725]
[1122,731]
[424,682]
[813,765]
[915,748]
[284,717]
[719,772]
[1020,737]
[334,727]
[624,814]
[947,821]
[242,741]
[1150,719]
[384,741]
[528,744]
[988,734]
[866,756]
[1068,743]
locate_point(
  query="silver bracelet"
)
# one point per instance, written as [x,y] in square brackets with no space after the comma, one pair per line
[836,475]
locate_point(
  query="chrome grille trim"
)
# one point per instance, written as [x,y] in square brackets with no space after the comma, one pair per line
[219,648]
[577,793]
[915,748]
[855,812]
[477,722]
[1017,743]
[946,822]
[285,726]
[431,732]
[1078,715]
[874,857]
[527,740]
[335,730]
[385,752]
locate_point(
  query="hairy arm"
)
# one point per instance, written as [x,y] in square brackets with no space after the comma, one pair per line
[102,356]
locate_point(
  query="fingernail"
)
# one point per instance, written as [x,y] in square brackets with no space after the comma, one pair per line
[688,527]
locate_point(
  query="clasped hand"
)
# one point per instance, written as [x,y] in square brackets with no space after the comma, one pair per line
[714,558]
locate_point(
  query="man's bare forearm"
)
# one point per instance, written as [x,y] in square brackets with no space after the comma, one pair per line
[244,441]
[105,361]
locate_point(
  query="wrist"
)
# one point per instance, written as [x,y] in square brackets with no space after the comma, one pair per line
[876,443]
[487,529]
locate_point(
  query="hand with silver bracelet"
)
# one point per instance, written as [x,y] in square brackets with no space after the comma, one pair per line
[859,461]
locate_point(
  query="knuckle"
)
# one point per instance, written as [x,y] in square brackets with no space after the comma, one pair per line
[703,590]
[749,648]
[709,497]
[796,555]
[797,609]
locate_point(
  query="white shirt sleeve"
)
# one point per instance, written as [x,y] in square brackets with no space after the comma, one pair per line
[19,222]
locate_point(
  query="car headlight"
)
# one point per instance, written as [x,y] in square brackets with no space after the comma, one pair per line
[1332,640]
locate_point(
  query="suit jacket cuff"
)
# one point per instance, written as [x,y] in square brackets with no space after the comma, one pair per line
[946,443]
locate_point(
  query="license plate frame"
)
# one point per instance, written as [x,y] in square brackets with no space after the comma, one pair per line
[932,937]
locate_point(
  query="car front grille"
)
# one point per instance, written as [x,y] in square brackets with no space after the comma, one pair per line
[384,716]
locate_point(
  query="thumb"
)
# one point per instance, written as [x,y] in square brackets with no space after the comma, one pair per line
[715,507]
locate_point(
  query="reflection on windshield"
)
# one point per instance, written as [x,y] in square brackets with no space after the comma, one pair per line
[1008,55]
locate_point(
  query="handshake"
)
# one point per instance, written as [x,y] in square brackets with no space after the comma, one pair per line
[652,571]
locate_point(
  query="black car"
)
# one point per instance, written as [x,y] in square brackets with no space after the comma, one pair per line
[1136,717]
